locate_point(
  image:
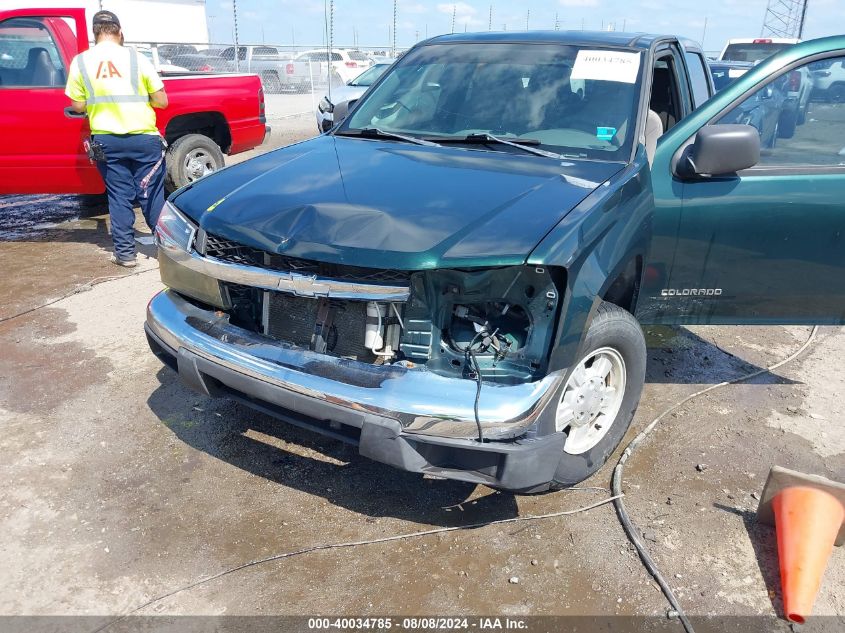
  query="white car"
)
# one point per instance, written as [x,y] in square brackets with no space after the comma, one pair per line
[346,63]
[829,81]
[161,65]
[799,83]
[349,92]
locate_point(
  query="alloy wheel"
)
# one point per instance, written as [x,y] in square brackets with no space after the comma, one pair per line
[591,399]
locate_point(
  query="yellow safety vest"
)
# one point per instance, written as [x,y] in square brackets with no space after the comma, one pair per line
[115,85]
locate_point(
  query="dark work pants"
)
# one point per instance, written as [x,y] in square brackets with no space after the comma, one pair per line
[133,170]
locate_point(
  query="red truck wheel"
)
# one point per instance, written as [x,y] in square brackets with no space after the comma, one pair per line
[190,158]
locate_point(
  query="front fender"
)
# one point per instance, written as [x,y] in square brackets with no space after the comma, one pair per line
[596,243]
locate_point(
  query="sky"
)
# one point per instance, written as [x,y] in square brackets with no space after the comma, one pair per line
[369,23]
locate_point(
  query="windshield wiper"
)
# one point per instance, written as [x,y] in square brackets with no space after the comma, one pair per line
[486,138]
[374,132]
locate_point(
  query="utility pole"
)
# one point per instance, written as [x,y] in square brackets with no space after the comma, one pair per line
[393,41]
[237,48]
[527,18]
[704,32]
[557,23]
[453,18]
[490,19]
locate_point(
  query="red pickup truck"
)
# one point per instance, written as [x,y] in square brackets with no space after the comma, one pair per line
[42,150]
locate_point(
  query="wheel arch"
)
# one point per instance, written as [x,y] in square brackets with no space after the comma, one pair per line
[211,124]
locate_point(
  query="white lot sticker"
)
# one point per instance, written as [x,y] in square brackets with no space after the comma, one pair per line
[606,66]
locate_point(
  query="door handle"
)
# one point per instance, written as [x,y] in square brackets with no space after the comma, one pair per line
[71,114]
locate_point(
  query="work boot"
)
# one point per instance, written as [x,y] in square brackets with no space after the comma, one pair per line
[126,263]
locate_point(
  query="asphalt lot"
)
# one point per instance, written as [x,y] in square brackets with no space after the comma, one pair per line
[121,485]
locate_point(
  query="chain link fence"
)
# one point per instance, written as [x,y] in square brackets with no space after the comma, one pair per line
[295,78]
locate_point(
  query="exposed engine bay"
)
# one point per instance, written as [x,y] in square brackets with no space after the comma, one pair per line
[496,323]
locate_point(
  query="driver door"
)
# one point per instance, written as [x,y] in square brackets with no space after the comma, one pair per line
[765,245]
[42,147]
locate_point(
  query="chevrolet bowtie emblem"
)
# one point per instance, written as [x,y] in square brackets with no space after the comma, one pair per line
[303,285]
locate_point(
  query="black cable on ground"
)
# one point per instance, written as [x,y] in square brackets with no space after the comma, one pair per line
[80,288]
[347,544]
[616,486]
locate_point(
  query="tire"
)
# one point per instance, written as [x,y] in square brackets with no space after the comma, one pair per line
[271,82]
[836,93]
[802,113]
[612,330]
[94,202]
[786,125]
[190,158]
[773,139]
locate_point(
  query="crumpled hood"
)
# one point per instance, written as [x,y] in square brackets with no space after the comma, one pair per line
[393,205]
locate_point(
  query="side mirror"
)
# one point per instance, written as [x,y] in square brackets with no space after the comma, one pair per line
[341,110]
[720,150]
[767,93]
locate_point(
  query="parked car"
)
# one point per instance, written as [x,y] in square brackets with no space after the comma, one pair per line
[829,82]
[189,57]
[765,112]
[208,116]
[279,71]
[346,64]
[347,94]
[799,86]
[454,277]
[725,72]
[160,64]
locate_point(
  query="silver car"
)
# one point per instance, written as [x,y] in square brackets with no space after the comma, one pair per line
[352,90]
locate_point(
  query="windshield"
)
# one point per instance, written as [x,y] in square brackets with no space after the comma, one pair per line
[567,99]
[752,52]
[369,76]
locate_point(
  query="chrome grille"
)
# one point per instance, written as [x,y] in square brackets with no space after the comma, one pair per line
[233,252]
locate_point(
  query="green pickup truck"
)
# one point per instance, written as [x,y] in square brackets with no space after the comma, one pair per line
[453,278]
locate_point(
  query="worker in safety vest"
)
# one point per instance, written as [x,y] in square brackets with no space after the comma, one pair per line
[118,88]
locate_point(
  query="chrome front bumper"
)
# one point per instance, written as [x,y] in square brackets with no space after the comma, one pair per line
[407,416]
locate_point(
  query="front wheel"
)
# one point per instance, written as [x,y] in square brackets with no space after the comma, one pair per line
[190,158]
[600,395]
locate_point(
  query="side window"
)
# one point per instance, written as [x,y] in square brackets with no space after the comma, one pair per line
[337,57]
[665,97]
[28,55]
[698,78]
[796,131]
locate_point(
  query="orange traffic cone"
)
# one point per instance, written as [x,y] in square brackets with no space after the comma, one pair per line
[807,521]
